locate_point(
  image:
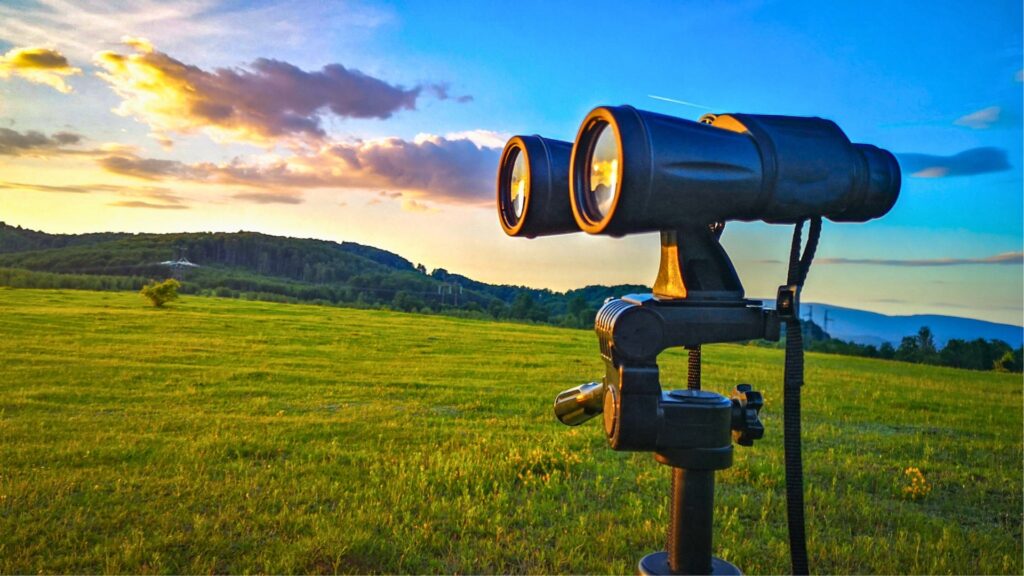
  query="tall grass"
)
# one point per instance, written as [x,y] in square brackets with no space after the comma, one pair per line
[230,436]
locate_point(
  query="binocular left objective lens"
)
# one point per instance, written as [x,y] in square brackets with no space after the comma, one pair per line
[533,187]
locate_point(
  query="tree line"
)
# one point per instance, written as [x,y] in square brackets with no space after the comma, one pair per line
[575,309]
[401,291]
[921,348]
[261,267]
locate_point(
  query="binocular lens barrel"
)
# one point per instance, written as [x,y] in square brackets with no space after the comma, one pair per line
[637,171]
[533,187]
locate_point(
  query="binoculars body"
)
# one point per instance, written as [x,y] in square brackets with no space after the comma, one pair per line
[632,171]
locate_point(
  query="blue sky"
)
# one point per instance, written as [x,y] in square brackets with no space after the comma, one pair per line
[926,78]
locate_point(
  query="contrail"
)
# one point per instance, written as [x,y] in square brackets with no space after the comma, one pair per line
[683,102]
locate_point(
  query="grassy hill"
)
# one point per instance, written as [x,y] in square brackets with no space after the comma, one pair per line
[275,268]
[232,436]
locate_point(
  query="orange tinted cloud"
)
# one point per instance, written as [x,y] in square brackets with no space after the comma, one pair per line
[430,168]
[144,197]
[267,102]
[147,205]
[38,65]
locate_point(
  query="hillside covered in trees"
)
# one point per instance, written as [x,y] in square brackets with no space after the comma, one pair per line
[259,266]
[262,267]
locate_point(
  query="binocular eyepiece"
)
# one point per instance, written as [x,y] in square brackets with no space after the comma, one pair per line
[633,171]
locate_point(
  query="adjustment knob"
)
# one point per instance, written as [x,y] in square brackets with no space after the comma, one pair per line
[577,405]
[746,408]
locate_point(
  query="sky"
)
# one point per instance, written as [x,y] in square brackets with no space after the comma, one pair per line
[382,122]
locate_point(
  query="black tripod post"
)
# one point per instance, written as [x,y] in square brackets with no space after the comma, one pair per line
[688,547]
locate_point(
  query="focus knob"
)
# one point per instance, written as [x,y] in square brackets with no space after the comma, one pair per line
[577,405]
[746,408]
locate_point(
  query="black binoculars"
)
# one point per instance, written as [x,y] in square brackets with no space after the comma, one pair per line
[633,171]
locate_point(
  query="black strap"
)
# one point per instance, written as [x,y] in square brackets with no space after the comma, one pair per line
[792,382]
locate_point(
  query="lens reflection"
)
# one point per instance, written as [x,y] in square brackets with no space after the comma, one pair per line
[517,185]
[603,172]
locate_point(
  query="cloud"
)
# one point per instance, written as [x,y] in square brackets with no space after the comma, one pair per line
[140,204]
[38,65]
[267,102]
[429,168]
[981,119]
[967,163]
[442,92]
[145,168]
[73,189]
[991,117]
[482,138]
[1006,258]
[31,142]
[411,205]
[269,197]
[214,28]
[274,174]
[151,196]
[153,193]
[37,144]
[1019,77]
[441,169]
[165,197]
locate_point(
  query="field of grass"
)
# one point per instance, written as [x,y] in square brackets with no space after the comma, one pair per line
[229,436]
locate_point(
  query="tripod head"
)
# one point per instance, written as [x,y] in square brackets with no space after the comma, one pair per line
[697,299]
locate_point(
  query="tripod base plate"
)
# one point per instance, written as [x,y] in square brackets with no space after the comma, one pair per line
[656,564]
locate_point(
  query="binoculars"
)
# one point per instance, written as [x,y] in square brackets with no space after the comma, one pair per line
[632,171]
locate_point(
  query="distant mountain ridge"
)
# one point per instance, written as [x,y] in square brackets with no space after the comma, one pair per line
[865,327]
[309,269]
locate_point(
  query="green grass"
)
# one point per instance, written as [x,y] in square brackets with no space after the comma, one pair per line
[229,436]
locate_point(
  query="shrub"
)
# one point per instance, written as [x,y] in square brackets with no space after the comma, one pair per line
[160,293]
[915,486]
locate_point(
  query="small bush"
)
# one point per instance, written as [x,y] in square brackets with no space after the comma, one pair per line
[915,486]
[160,293]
